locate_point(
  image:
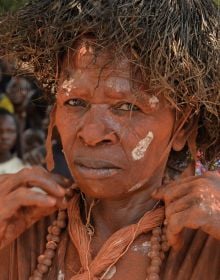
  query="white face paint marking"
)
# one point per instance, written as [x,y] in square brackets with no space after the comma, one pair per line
[118,84]
[68,85]
[153,101]
[135,187]
[142,146]
[109,273]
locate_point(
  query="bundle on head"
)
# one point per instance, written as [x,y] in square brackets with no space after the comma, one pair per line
[174,44]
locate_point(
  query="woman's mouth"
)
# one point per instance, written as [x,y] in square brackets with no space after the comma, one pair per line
[94,169]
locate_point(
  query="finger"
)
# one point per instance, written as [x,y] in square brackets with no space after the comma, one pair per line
[61,180]
[180,204]
[177,188]
[25,197]
[39,177]
[190,218]
[169,193]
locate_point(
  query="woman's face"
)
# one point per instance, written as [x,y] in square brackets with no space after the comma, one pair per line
[113,132]
[8,133]
[19,91]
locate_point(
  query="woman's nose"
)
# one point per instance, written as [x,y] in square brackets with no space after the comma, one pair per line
[96,132]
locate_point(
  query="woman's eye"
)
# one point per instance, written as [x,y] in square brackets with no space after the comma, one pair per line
[127,107]
[77,103]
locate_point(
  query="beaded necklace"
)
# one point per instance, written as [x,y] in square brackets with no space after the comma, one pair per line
[158,243]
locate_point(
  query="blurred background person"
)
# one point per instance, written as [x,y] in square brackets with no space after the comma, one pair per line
[10,154]
[4,79]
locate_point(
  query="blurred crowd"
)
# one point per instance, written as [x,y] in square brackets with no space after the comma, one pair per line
[24,115]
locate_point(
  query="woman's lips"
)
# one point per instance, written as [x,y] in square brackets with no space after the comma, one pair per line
[94,169]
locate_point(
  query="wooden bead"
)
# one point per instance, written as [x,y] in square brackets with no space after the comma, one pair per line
[156,261]
[49,229]
[49,237]
[37,273]
[153,254]
[155,247]
[154,269]
[62,215]
[41,258]
[61,224]
[154,242]
[56,230]
[47,262]
[155,238]
[153,276]
[51,245]
[42,268]
[165,247]
[156,231]
[55,238]
[49,253]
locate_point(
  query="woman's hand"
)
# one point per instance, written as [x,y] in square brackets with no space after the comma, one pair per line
[193,202]
[26,197]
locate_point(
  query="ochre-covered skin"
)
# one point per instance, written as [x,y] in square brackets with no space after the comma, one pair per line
[101,117]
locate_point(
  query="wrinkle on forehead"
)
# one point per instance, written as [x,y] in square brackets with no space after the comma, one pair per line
[114,71]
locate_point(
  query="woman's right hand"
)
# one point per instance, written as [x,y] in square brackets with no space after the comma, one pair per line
[26,197]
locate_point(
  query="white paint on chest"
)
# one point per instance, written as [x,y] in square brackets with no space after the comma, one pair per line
[142,146]
[143,248]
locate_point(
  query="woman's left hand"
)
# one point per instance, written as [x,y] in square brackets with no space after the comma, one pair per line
[192,202]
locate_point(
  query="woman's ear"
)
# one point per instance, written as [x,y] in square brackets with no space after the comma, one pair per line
[49,146]
[187,135]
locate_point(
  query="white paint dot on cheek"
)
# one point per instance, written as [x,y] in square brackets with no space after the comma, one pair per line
[153,101]
[142,146]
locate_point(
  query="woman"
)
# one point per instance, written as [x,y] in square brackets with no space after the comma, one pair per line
[135,87]
[10,162]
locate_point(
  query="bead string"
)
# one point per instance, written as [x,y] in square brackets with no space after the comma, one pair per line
[158,241]
[159,246]
[53,240]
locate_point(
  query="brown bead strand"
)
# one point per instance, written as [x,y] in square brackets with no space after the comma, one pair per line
[164,246]
[159,246]
[53,239]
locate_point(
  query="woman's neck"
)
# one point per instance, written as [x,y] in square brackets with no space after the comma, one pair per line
[111,215]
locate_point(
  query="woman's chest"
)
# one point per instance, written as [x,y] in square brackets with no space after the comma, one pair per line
[131,264]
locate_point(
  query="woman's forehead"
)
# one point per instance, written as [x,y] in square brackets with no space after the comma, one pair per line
[87,56]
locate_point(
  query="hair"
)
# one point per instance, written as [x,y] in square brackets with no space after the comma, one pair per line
[174,45]
[17,147]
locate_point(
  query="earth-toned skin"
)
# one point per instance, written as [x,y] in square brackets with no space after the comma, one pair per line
[102,117]
[8,135]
